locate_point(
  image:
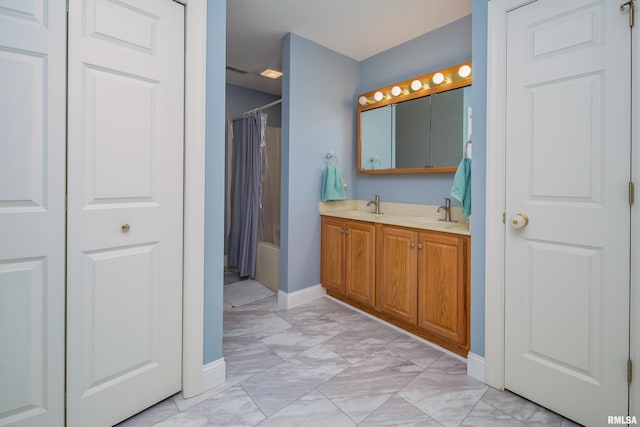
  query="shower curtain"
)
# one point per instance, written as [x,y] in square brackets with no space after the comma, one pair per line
[248,141]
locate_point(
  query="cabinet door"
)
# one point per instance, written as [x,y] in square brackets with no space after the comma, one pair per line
[332,258]
[360,267]
[397,273]
[442,290]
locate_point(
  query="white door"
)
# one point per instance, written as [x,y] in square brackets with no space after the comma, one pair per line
[125,156]
[32,216]
[568,169]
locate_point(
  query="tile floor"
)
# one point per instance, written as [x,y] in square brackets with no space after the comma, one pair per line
[323,364]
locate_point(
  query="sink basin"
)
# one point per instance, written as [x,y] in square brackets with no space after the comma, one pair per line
[363,215]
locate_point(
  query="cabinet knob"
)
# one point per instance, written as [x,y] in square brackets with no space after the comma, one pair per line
[341,231]
[412,245]
[419,245]
[346,231]
[125,228]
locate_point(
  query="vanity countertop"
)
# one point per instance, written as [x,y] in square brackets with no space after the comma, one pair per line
[423,217]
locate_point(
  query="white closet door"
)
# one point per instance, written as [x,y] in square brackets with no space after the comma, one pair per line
[32,216]
[125,154]
[567,168]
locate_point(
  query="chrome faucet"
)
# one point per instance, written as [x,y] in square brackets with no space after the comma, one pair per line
[376,202]
[447,210]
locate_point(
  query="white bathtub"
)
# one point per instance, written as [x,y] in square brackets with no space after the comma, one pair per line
[268,265]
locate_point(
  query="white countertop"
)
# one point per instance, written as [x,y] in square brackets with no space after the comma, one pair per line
[423,217]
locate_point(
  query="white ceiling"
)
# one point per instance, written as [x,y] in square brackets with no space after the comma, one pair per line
[355,28]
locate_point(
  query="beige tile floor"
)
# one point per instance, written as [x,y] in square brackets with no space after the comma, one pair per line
[324,364]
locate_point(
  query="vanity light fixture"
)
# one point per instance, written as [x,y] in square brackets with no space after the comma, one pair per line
[438,78]
[416,85]
[464,71]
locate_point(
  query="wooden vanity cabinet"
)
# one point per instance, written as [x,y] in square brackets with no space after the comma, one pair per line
[422,281]
[348,259]
[416,279]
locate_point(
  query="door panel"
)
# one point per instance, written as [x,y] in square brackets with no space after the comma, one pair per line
[32,215]
[332,246]
[124,261]
[398,273]
[567,170]
[442,287]
[360,256]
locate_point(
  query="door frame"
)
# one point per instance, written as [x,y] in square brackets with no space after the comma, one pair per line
[195,63]
[495,201]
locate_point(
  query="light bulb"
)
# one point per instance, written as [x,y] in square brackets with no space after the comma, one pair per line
[416,85]
[362,100]
[464,71]
[395,91]
[378,96]
[438,78]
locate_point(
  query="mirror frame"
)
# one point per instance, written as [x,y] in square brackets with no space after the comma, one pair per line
[451,81]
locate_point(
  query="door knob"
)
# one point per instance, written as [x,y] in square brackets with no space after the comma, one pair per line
[125,228]
[519,221]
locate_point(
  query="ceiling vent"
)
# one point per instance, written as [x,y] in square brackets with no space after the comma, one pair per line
[236,70]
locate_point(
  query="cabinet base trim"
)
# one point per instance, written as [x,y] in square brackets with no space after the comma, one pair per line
[303,296]
[475,366]
[399,329]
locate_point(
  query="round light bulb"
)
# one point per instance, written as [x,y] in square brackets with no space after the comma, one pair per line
[395,91]
[438,78]
[416,85]
[378,96]
[464,71]
[362,100]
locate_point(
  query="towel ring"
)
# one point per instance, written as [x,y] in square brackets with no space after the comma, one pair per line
[330,156]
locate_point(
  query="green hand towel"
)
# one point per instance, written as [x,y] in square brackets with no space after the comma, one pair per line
[461,190]
[332,186]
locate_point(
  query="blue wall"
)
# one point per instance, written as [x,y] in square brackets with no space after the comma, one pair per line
[318,115]
[437,49]
[478,187]
[214,187]
[240,100]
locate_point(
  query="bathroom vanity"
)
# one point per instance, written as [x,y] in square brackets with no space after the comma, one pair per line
[403,266]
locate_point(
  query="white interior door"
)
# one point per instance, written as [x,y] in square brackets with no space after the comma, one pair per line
[125,156]
[32,213]
[567,169]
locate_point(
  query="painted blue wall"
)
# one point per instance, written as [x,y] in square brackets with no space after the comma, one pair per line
[214,187]
[437,49]
[318,115]
[478,187]
[240,100]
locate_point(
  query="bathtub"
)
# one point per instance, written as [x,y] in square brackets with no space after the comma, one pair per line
[268,265]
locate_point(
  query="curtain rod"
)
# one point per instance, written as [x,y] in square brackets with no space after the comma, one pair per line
[271,104]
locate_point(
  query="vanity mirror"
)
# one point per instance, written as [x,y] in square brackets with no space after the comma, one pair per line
[416,126]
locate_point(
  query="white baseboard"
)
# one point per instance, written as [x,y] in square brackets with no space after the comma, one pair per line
[213,374]
[303,296]
[475,366]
